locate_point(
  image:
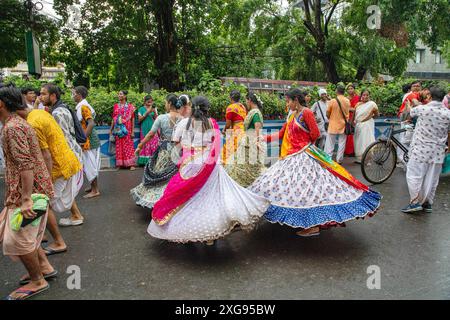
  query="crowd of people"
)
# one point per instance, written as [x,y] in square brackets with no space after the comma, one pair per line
[48,148]
[196,189]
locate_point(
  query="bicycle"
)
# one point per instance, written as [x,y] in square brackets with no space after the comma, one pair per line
[380,158]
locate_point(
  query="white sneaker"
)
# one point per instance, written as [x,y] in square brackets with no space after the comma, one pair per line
[67,222]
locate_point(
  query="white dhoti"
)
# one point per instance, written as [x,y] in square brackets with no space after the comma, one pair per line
[331,142]
[66,192]
[320,143]
[405,138]
[422,179]
[91,164]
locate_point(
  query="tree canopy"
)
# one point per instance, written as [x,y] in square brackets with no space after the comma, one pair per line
[14,22]
[176,44]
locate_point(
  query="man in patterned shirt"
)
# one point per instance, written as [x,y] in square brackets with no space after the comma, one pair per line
[69,189]
[26,173]
[427,151]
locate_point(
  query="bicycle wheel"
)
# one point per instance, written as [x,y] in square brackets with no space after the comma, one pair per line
[379,162]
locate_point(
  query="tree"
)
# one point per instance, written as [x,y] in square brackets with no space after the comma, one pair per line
[14,22]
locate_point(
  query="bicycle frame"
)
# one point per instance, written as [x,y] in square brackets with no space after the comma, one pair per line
[392,139]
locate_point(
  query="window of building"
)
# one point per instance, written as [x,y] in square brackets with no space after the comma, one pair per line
[438,58]
[420,55]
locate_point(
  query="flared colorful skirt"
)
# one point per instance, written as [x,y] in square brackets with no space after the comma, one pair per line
[219,207]
[308,189]
[157,173]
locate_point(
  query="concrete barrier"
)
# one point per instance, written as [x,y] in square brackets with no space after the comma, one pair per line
[270,126]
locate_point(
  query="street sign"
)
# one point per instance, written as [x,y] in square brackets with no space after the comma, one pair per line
[33,54]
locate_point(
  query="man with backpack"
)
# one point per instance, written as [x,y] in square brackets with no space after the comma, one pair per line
[338,114]
[66,189]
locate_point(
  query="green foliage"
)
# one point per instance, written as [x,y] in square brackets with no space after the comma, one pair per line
[14,24]
[387,96]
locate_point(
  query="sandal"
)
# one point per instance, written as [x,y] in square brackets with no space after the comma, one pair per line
[47,276]
[28,293]
[68,222]
[90,196]
[49,251]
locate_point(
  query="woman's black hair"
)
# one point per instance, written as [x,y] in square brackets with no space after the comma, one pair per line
[82,91]
[200,112]
[12,98]
[182,101]
[125,93]
[255,99]
[26,90]
[147,98]
[406,88]
[362,91]
[172,99]
[297,94]
[235,95]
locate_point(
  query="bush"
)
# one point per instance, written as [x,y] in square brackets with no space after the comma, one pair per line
[388,97]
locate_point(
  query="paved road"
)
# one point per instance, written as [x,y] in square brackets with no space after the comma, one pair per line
[119,260]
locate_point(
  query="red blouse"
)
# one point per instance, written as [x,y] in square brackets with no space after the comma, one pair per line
[297,133]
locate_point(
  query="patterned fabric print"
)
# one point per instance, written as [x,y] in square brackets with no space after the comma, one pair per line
[64,118]
[249,162]
[93,140]
[213,212]
[146,197]
[22,153]
[303,194]
[431,133]
[160,167]
[325,216]
[125,146]
[151,146]
[300,182]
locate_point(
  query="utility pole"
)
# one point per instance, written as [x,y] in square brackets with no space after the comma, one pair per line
[32,45]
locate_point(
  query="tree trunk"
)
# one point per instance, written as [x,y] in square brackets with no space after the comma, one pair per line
[329,64]
[167,47]
[361,73]
[320,35]
[327,59]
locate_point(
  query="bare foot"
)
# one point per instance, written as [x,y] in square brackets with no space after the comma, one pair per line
[132,168]
[44,269]
[32,286]
[91,195]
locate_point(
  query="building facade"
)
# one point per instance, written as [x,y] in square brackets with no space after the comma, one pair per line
[428,65]
[48,73]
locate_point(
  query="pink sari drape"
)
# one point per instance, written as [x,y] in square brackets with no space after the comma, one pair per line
[181,189]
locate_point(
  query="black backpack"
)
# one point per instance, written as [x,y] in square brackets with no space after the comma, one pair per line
[80,136]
